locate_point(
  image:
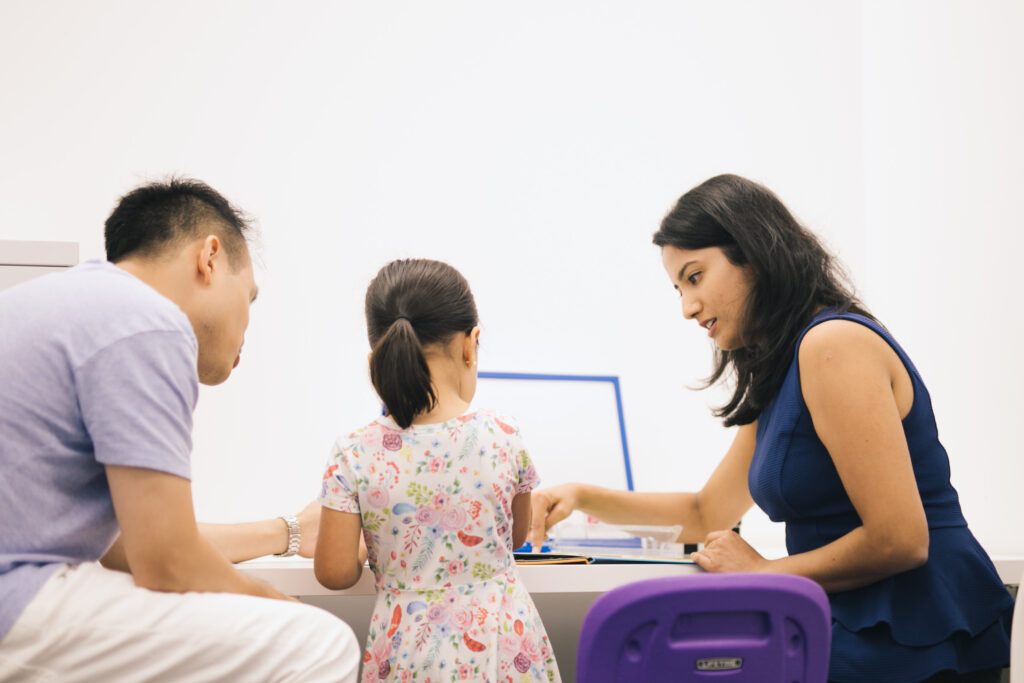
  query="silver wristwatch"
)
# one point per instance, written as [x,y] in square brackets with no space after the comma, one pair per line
[294,536]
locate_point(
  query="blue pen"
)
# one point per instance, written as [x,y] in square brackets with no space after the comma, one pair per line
[528,548]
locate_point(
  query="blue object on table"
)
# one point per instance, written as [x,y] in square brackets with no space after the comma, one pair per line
[528,548]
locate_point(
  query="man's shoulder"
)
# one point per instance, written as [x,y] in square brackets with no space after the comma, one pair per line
[107,290]
[89,307]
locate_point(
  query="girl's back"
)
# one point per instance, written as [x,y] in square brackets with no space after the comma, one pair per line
[436,508]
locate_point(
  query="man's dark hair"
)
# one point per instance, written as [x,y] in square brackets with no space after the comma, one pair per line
[158,215]
[794,275]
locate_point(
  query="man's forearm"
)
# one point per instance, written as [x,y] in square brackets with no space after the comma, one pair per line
[241,542]
[236,542]
[115,557]
[201,568]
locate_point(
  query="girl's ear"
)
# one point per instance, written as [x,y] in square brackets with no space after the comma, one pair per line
[470,345]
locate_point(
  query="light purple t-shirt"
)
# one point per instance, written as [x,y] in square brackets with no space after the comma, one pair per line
[96,368]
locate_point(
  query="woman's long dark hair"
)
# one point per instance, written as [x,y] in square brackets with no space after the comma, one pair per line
[410,304]
[793,275]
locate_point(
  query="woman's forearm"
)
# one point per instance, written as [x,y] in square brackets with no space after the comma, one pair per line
[852,561]
[632,507]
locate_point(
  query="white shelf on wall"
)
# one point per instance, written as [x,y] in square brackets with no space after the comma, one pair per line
[22,260]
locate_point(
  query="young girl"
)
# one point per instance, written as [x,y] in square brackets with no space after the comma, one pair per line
[441,493]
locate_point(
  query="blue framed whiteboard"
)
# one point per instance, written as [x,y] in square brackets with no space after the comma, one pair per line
[573,425]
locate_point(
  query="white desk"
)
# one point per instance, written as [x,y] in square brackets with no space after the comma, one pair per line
[562,593]
[294,576]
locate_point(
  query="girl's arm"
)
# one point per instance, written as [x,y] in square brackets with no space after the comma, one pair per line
[856,389]
[339,556]
[521,512]
[719,505]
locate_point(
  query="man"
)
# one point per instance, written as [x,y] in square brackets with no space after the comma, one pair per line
[99,373]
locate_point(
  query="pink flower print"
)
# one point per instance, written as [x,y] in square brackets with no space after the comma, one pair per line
[370,675]
[441,500]
[464,672]
[530,648]
[522,663]
[381,649]
[392,441]
[437,614]
[530,476]
[427,515]
[454,567]
[453,519]
[545,652]
[436,465]
[462,618]
[377,497]
[508,643]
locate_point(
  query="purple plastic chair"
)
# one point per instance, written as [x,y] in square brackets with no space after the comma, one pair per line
[757,628]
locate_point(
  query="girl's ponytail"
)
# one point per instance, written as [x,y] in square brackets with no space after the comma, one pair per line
[400,374]
[411,306]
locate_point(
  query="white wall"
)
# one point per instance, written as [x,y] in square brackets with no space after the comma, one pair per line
[944,169]
[534,146]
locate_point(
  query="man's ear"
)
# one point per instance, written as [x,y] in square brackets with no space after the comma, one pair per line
[208,258]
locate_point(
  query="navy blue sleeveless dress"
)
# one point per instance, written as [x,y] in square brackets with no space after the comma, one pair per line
[952,613]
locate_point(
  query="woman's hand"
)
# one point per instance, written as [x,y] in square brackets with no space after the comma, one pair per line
[549,507]
[725,551]
[309,527]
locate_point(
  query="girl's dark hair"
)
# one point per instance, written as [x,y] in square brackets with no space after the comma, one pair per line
[410,304]
[793,275]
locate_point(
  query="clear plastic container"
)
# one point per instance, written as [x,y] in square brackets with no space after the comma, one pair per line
[578,529]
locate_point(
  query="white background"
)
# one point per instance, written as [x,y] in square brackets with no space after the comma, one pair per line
[536,146]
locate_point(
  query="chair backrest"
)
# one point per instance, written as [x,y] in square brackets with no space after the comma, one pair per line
[708,627]
[1017,638]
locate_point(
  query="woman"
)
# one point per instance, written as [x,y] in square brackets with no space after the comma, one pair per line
[836,437]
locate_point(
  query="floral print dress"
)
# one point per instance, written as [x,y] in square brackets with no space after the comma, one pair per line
[436,507]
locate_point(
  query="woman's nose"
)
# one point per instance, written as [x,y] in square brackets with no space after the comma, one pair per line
[691,307]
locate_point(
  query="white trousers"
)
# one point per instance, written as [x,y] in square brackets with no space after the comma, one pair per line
[90,624]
